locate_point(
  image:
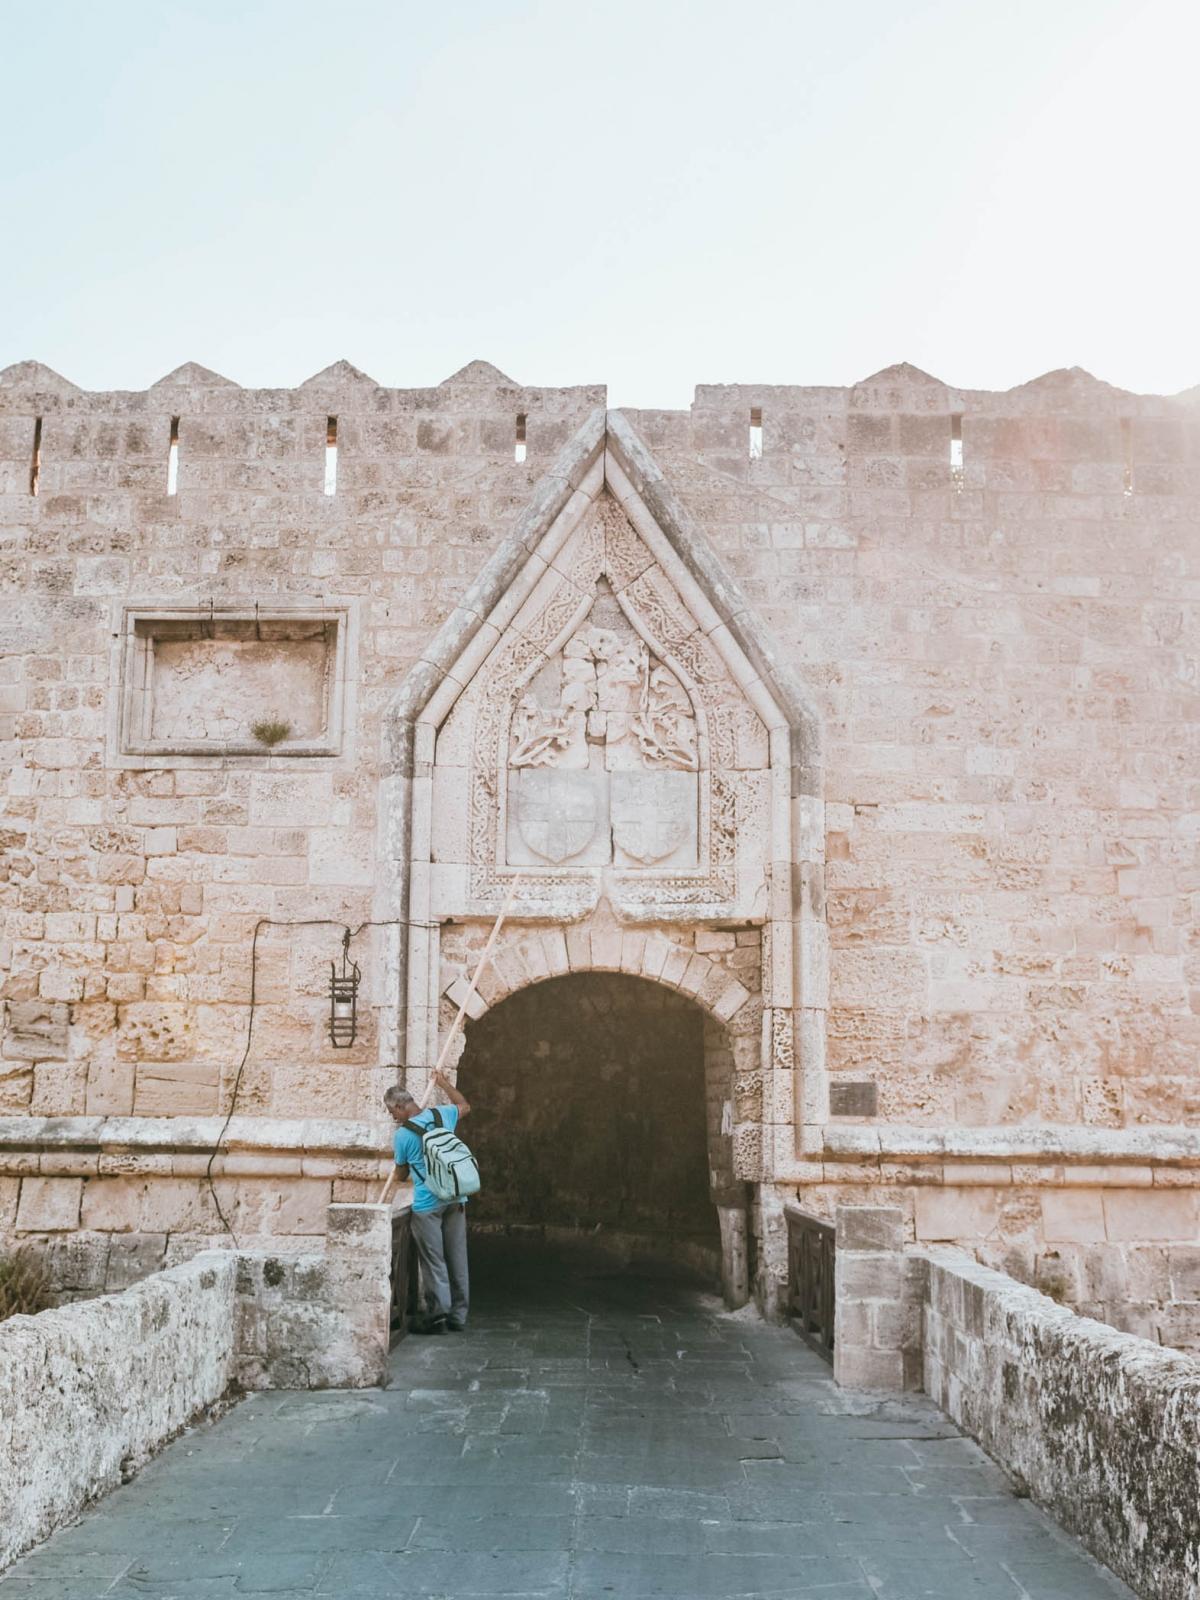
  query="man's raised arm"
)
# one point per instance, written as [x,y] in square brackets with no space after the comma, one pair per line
[452,1094]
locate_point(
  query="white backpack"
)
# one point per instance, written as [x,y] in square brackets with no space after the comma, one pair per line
[451,1171]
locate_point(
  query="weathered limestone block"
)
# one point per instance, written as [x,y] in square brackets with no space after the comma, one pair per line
[49,1205]
[1163,1214]
[263,1207]
[161,1205]
[877,1292]
[16,1086]
[36,1030]
[109,1088]
[133,1258]
[61,983]
[113,1205]
[871,1229]
[1184,1265]
[1178,1325]
[748,1152]
[166,1089]
[152,1031]
[1075,1215]
[59,1088]
[78,1263]
[319,1321]
[949,1214]
[359,1230]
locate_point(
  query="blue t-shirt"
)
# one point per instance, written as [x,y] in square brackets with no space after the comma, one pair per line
[407,1148]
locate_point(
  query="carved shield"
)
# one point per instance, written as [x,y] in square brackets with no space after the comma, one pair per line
[557,811]
[653,813]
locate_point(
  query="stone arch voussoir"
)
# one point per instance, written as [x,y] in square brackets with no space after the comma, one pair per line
[533,955]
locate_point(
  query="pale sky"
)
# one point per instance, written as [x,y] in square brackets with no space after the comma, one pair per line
[646,194]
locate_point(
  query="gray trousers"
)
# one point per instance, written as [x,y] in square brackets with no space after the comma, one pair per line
[441,1240]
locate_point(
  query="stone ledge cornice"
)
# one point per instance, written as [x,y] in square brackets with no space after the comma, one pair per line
[304,1136]
[1168,1144]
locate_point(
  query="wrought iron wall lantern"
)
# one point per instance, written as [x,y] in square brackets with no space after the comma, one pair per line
[343,999]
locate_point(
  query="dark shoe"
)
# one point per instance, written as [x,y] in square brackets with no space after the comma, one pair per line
[430,1325]
[456,1327]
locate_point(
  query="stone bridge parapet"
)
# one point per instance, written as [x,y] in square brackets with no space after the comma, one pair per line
[89,1391]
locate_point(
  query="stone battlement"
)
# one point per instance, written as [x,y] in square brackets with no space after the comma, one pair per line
[1071,417]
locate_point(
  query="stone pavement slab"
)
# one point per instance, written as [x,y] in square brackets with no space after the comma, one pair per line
[594,1436]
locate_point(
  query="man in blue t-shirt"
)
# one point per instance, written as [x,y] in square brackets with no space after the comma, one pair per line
[439,1226]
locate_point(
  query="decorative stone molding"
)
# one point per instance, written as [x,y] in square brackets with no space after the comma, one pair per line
[604,746]
[1160,1145]
[1065,1155]
[180,1147]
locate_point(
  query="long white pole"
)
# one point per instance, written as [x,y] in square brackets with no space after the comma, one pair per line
[462,1011]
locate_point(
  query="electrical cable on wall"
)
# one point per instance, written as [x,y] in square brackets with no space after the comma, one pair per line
[348,934]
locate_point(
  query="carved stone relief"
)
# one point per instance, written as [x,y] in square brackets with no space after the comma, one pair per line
[556,816]
[653,818]
[603,756]
[604,732]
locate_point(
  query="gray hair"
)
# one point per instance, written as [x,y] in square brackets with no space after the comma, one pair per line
[395,1096]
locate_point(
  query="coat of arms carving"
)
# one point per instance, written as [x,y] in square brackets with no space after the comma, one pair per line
[653,813]
[603,755]
[557,812]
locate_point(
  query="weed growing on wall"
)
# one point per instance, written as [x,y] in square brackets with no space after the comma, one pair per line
[24,1284]
[271,730]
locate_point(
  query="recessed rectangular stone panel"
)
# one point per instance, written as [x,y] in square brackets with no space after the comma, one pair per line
[270,683]
[859,1099]
[207,689]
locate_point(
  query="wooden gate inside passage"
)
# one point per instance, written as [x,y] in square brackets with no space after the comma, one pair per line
[811,1255]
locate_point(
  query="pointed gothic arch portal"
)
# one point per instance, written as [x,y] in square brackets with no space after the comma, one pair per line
[604,720]
[599,1104]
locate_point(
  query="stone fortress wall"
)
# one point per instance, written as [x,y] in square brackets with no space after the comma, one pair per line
[990,600]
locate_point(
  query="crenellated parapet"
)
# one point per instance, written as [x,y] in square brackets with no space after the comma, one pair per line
[898,429]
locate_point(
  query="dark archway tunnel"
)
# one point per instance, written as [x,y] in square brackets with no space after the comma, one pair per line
[590,1118]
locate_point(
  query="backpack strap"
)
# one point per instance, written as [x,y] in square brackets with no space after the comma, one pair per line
[420,1130]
